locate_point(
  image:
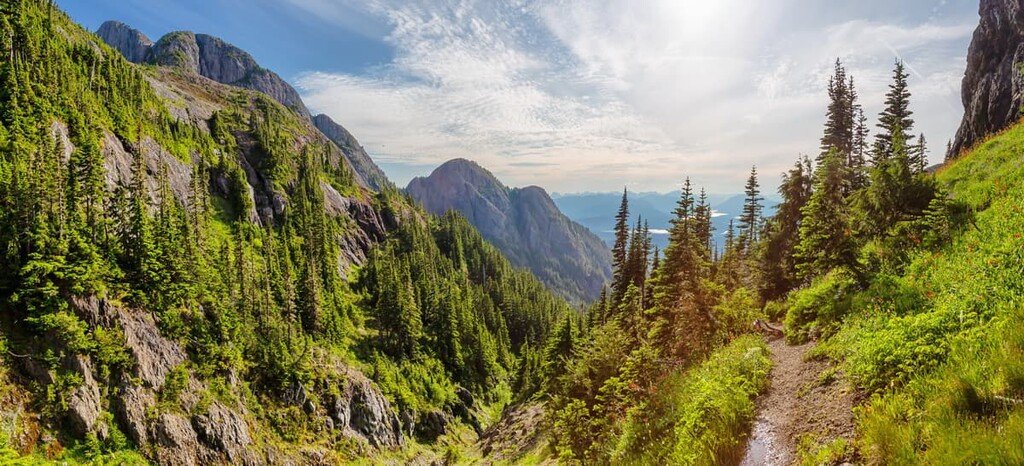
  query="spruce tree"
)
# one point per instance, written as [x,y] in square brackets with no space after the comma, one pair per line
[750,219]
[858,158]
[919,155]
[825,235]
[839,117]
[896,116]
[777,264]
[619,249]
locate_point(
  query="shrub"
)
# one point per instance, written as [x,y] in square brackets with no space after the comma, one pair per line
[700,416]
[818,309]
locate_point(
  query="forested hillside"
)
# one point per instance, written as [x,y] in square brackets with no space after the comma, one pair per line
[909,280]
[192,273]
[523,223]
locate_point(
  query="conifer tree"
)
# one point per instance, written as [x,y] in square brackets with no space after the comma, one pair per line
[896,116]
[919,155]
[619,249]
[897,193]
[750,219]
[777,264]
[839,118]
[858,159]
[825,235]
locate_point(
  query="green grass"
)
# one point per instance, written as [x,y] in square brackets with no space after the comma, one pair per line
[940,345]
[701,416]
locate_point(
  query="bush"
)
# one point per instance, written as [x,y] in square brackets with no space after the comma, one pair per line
[818,309]
[776,310]
[700,416]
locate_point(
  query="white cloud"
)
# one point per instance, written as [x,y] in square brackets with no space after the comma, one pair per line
[593,95]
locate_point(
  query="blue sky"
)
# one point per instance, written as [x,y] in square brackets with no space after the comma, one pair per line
[585,95]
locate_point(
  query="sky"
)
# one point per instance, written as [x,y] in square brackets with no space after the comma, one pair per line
[586,95]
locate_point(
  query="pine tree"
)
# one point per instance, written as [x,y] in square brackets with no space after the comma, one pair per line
[619,249]
[919,155]
[750,219]
[839,118]
[825,235]
[895,116]
[777,264]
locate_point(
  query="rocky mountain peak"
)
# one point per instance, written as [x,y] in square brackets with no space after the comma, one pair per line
[993,86]
[204,55]
[361,161]
[132,43]
[524,223]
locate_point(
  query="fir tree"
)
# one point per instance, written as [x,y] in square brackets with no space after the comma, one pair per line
[839,118]
[825,235]
[778,267]
[750,219]
[619,249]
[895,117]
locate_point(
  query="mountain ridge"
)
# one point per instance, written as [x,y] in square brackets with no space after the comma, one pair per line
[524,223]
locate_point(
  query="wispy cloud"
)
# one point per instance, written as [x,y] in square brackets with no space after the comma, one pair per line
[593,95]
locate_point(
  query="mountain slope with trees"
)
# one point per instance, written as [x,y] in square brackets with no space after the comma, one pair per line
[192,273]
[523,223]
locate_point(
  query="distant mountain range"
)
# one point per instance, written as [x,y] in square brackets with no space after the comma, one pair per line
[524,223]
[596,211]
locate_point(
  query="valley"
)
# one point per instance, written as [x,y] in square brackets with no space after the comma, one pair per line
[195,268]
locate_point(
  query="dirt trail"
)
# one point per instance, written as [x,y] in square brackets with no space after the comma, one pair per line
[800,401]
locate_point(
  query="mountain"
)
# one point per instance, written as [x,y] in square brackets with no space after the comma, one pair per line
[193,273]
[361,161]
[204,55]
[993,86]
[215,59]
[524,223]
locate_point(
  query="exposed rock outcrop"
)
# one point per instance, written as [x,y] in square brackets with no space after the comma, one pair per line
[362,409]
[204,55]
[132,43]
[84,404]
[993,86]
[432,424]
[523,223]
[354,152]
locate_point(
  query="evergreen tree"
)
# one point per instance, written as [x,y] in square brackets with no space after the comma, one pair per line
[839,118]
[620,247]
[777,263]
[825,234]
[750,219]
[857,161]
[895,117]
[897,192]
[919,155]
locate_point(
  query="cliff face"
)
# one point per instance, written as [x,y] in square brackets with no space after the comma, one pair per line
[361,162]
[993,85]
[523,223]
[205,55]
[133,44]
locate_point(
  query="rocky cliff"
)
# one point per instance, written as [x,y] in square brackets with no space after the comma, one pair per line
[523,223]
[205,55]
[355,153]
[993,85]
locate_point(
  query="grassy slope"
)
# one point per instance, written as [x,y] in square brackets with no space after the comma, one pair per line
[941,345]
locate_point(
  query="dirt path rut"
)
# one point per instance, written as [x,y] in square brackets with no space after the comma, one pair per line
[804,398]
